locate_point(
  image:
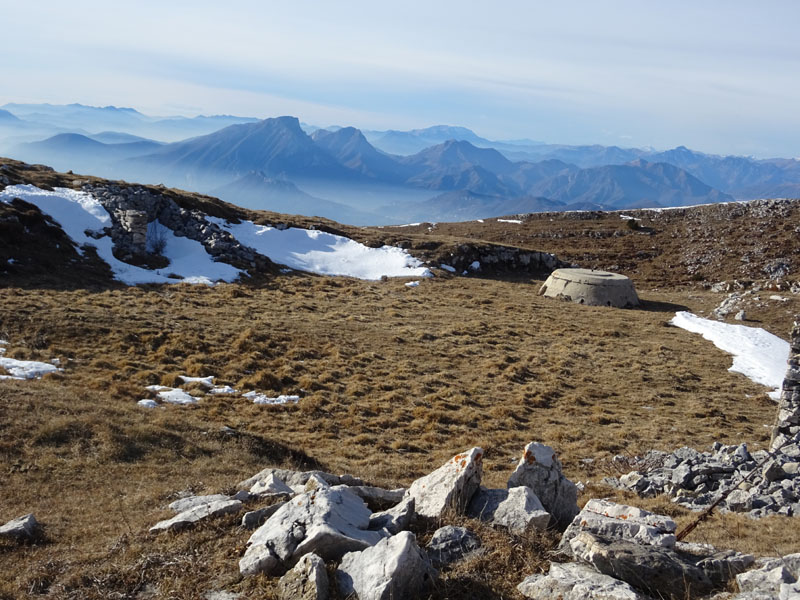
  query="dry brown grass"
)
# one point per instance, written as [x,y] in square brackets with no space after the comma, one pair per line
[393,381]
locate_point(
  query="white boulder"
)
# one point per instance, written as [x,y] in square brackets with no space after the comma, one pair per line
[576,581]
[326,521]
[21,528]
[451,486]
[394,568]
[540,470]
[516,508]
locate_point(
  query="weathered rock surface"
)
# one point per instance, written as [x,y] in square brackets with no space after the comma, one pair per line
[308,580]
[186,503]
[516,508]
[297,479]
[328,522]
[786,434]
[575,581]
[378,498]
[540,470]
[254,518]
[620,522]
[654,570]
[394,568]
[450,544]
[771,574]
[270,485]
[394,520]
[451,486]
[21,528]
[197,513]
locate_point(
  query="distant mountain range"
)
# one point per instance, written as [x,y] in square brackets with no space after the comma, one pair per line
[439,173]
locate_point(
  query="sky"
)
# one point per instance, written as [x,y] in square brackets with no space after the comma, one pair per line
[717,76]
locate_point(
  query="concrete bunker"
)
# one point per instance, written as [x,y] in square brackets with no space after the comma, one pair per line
[587,286]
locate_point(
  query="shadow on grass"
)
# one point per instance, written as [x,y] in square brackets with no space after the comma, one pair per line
[665,307]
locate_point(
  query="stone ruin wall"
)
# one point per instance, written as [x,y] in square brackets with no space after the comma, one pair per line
[787,427]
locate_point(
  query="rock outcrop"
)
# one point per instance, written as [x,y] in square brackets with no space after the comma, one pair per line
[540,470]
[197,513]
[516,508]
[327,521]
[451,486]
[393,568]
[575,581]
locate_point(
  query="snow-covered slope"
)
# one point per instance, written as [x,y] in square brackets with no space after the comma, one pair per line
[78,212]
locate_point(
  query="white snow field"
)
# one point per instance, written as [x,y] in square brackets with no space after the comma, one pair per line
[325,253]
[757,354]
[23,369]
[304,250]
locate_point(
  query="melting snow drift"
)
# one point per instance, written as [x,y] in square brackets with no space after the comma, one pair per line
[757,354]
[302,249]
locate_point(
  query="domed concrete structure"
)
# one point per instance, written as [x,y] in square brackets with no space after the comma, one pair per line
[587,286]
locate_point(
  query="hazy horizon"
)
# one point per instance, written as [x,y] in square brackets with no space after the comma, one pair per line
[717,76]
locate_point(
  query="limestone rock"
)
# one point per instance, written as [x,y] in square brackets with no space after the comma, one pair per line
[271,484]
[394,520]
[620,522]
[540,470]
[255,518]
[21,528]
[197,513]
[451,486]
[450,544]
[394,568]
[308,580]
[186,503]
[516,508]
[657,571]
[575,581]
[298,478]
[770,575]
[327,521]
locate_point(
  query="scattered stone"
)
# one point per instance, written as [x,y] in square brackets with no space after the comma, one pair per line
[186,503]
[575,581]
[451,486]
[255,518]
[197,513]
[21,528]
[315,482]
[327,521]
[654,570]
[516,508]
[394,520]
[740,316]
[450,544]
[770,575]
[298,479]
[394,568]
[620,522]
[308,580]
[540,470]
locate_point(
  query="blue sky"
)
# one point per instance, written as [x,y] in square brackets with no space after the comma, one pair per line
[717,76]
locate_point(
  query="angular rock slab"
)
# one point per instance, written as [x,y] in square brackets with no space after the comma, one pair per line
[654,570]
[186,503]
[392,569]
[308,580]
[540,470]
[451,486]
[620,522]
[771,575]
[328,522]
[450,544]
[576,581]
[197,513]
[21,528]
[254,518]
[271,484]
[517,508]
[394,520]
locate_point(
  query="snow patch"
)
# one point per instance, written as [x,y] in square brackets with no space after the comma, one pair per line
[25,369]
[78,211]
[447,268]
[259,398]
[757,354]
[222,389]
[517,221]
[205,381]
[176,396]
[325,253]
[476,265]
[147,403]
[412,284]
